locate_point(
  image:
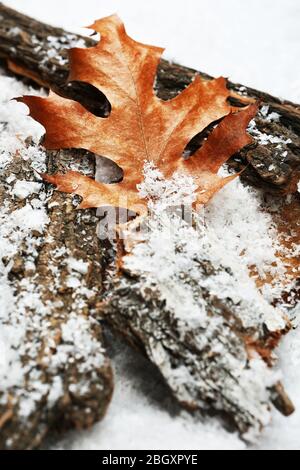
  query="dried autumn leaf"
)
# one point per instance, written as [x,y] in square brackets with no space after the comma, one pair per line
[141,127]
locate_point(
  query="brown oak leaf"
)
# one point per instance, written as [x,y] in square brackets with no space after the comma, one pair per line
[141,127]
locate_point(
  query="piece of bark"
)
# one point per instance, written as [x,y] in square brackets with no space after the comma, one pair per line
[58,375]
[39,51]
[213,350]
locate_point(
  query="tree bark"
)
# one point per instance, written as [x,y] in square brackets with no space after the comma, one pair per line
[66,377]
[209,365]
[195,374]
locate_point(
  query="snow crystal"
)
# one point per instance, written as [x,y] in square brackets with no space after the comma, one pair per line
[10,179]
[162,193]
[267,116]
[56,391]
[73,282]
[77,337]
[15,31]
[27,220]
[23,189]
[78,265]
[56,44]
[265,139]
[15,116]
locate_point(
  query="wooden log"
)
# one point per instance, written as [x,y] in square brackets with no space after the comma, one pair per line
[54,370]
[213,350]
[39,52]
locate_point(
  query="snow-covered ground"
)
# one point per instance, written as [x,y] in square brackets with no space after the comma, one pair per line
[256,43]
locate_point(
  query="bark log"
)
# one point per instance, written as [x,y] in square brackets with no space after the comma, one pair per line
[208,366]
[38,51]
[59,376]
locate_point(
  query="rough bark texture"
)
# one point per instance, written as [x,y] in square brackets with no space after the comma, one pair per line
[200,377]
[195,373]
[60,376]
[211,362]
[39,51]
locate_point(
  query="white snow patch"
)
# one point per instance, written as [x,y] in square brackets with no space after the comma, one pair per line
[234,221]
[15,31]
[56,44]
[265,139]
[27,220]
[78,265]
[162,193]
[23,189]
[73,282]
[222,238]
[269,117]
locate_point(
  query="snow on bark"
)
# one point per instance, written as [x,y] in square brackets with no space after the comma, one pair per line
[185,297]
[53,366]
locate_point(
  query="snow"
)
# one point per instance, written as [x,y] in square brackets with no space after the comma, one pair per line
[55,46]
[27,219]
[23,189]
[78,265]
[226,237]
[269,117]
[136,417]
[284,432]
[73,282]
[77,338]
[16,229]
[265,139]
[180,189]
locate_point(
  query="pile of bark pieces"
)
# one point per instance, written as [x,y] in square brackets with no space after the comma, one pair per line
[66,378]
